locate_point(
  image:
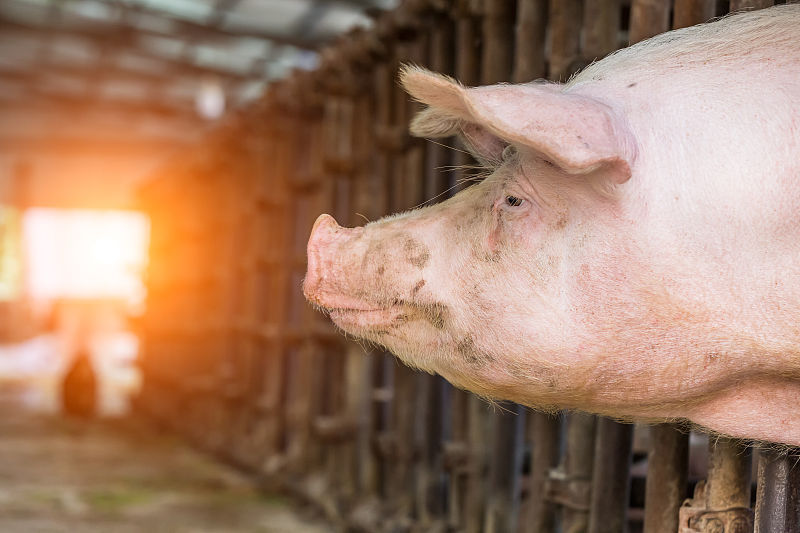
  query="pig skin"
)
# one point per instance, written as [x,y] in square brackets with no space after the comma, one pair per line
[652,270]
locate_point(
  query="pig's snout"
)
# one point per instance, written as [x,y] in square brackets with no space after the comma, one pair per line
[327,240]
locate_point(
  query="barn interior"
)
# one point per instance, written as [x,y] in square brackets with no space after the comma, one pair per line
[161,165]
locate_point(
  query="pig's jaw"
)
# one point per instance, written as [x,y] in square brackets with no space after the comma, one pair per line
[414,333]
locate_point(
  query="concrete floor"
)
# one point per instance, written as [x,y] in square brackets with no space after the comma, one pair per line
[59,475]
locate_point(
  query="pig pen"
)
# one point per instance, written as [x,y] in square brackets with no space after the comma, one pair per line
[236,361]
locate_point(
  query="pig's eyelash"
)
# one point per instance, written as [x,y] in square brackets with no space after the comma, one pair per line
[437,196]
[450,168]
[468,179]
[450,147]
[481,175]
[474,178]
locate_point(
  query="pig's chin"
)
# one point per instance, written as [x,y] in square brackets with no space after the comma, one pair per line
[410,330]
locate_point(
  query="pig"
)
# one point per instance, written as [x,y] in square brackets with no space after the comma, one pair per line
[634,251]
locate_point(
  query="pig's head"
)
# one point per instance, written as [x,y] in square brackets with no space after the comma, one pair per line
[482,287]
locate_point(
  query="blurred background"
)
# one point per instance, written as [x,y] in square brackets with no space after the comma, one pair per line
[94,96]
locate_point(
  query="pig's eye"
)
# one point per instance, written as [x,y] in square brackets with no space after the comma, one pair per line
[513,201]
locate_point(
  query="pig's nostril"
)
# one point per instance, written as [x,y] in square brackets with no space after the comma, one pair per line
[326,230]
[320,237]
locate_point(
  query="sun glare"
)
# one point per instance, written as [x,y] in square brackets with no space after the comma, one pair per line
[85,254]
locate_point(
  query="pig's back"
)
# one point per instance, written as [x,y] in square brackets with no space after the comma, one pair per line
[771,34]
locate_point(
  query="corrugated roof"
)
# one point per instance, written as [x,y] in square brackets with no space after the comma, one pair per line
[133,59]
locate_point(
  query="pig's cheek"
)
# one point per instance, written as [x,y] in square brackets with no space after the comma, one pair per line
[493,243]
[508,231]
[495,240]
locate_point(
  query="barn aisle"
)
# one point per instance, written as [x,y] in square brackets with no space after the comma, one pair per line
[60,475]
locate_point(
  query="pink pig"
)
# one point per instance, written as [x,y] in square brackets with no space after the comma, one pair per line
[634,253]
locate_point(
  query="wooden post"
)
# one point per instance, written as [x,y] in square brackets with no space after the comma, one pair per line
[667,470]
[648,18]
[778,493]
[611,477]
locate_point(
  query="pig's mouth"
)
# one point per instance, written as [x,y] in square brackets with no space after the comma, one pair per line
[354,314]
[360,317]
[367,319]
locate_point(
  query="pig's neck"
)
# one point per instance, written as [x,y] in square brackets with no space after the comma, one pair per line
[695,314]
[689,335]
[714,206]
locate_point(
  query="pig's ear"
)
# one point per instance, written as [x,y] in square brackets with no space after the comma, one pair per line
[447,115]
[577,133]
[431,123]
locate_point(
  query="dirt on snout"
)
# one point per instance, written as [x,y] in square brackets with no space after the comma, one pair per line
[61,475]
